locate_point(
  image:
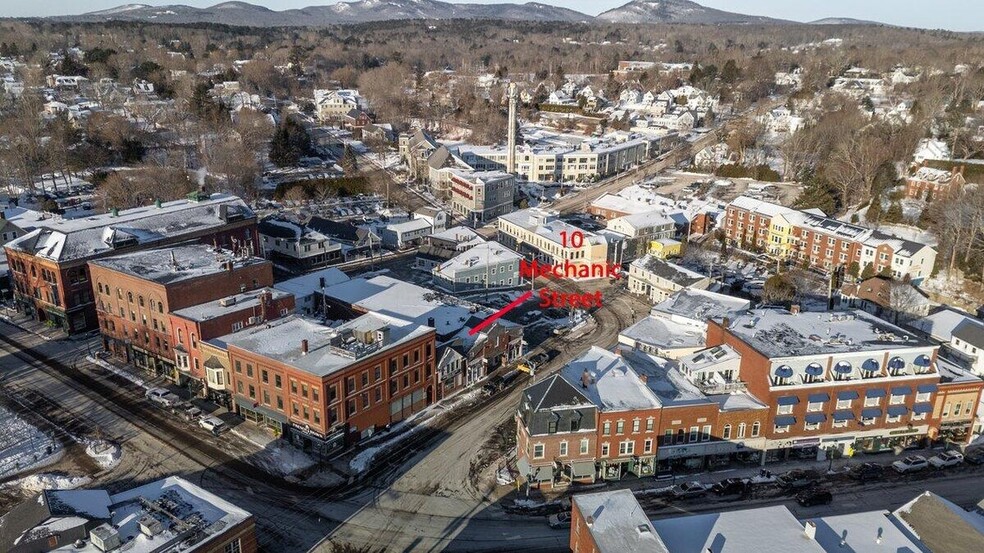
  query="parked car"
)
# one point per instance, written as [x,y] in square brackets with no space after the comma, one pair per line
[975,457]
[539,359]
[162,397]
[946,459]
[730,486]
[213,424]
[798,479]
[814,497]
[560,520]
[192,413]
[912,463]
[664,475]
[869,471]
[689,489]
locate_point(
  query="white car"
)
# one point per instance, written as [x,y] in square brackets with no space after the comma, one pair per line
[162,397]
[946,459]
[212,423]
[911,463]
[690,489]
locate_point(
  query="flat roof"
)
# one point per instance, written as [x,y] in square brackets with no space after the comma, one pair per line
[235,303]
[308,284]
[701,305]
[330,349]
[619,524]
[171,265]
[867,532]
[779,333]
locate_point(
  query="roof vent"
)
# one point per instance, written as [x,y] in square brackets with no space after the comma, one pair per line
[810,530]
[643,529]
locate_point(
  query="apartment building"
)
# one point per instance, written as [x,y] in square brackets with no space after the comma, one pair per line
[927,183]
[813,238]
[642,229]
[481,196]
[541,233]
[48,265]
[486,265]
[136,293]
[658,279]
[191,326]
[836,380]
[327,387]
[336,104]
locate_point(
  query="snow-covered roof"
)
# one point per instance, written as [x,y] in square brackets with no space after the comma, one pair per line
[939,326]
[484,254]
[664,333]
[171,265]
[666,270]
[867,532]
[63,239]
[230,304]
[760,207]
[701,305]
[330,349]
[614,385]
[619,524]
[763,530]
[548,227]
[413,225]
[308,284]
[664,379]
[780,333]
[940,524]
[647,219]
[457,234]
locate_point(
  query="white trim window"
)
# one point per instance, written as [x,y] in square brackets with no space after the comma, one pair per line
[785,410]
[584,446]
[563,449]
[872,401]
[648,446]
[896,400]
[741,430]
[918,416]
[605,448]
[782,429]
[626,448]
[840,423]
[843,403]
[813,407]
[812,425]
[538,451]
[922,397]
[892,418]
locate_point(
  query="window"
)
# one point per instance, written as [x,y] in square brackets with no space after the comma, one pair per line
[705,433]
[232,547]
[280,403]
[785,410]
[872,401]
[956,409]
[726,432]
[575,425]
[293,387]
[649,424]
[922,397]
[249,370]
[619,427]
[946,410]
[563,449]
[812,425]
[277,382]
[843,404]
[840,423]
[893,418]
[668,437]
[584,446]
[264,376]
[606,429]
[379,394]
[636,424]
[315,393]
[756,428]
[782,429]
[626,448]
[538,450]
[378,373]
[552,427]
[604,450]
[252,391]
[648,446]
[693,434]
[896,400]
[304,390]
[814,406]
[365,378]
[918,416]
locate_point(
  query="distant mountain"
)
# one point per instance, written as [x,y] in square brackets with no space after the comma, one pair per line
[361,11]
[844,21]
[678,11]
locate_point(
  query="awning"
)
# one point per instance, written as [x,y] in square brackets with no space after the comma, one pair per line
[523,466]
[542,473]
[815,417]
[897,410]
[843,367]
[250,406]
[784,371]
[871,413]
[581,469]
[875,392]
[901,391]
[788,400]
[921,408]
[849,394]
[843,415]
[896,363]
[785,421]
[870,365]
[926,388]
[819,398]
[814,369]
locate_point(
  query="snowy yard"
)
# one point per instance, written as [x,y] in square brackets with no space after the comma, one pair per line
[23,446]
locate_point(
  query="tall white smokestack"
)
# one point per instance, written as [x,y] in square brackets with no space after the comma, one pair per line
[511,153]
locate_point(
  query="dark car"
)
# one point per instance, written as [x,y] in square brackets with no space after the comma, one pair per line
[539,359]
[869,471]
[975,457]
[730,486]
[812,498]
[798,479]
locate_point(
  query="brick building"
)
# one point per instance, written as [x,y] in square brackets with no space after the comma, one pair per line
[323,387]
[135,294]
[927,183]
[48,265]
[191,326]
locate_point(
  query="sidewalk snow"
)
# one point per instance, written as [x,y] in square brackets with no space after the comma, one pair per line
[47,481]
[281,458]
[22,446]
[118,371]
[106,454]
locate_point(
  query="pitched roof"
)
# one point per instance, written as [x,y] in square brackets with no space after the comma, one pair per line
[555,392]
[942,526]
[970,331]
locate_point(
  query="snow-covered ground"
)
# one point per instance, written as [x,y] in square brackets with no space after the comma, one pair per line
[106,454]
[22,446]
[118,371]
[47,481]
[281,458]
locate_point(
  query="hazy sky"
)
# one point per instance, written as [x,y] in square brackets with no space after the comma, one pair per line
[957,15]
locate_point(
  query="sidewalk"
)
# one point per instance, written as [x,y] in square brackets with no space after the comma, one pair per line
[31,325]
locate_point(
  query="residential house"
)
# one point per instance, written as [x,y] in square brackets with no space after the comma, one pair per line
[488,265]
[297,247]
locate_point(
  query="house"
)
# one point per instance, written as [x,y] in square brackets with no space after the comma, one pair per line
[930,148]
[356,240]
[967,342]
[336,104]
[477,356]
[405,235]
[297,247]
[928,183]
[442,246]
[484,266]
[641,229]
[438,218]
[658,279]
[714,155]
[883,297]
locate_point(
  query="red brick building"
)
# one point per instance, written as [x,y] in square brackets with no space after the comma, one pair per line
[326,387]
[927,183]
[48,265]
[193,325]
[136,293]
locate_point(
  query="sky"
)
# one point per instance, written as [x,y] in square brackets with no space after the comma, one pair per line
[956,15]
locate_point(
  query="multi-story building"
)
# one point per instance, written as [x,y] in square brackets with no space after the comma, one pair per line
[325,387]
[812,238]
[296,246]
[835,380]
[543,235]
[48,265]
[191,326]
[658,279]
[641,229]
[335,104]
[467,358]
[135,294]
[480,197]
[927,183]
[486,265]
[152,518]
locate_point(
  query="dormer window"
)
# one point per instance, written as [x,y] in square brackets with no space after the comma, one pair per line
[896,366]
[814,373]
[782,375]
[870,368]
[842,370]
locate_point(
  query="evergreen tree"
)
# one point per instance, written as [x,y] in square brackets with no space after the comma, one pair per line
[349,162]
[868,272]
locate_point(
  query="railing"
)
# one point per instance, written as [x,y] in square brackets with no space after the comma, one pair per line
[712,387]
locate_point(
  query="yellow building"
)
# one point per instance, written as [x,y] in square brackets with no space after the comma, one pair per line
[664,248]
[780,242]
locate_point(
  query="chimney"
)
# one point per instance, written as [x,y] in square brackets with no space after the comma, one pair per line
[322,282]
[589,520]
[585,379]
[430,322]
[811,530]
[725,322]
[304,347]
[794,309]
[266,298]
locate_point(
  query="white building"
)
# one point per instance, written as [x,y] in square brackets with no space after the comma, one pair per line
[486,265]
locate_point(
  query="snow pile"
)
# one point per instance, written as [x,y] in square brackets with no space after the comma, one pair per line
[105,454]
[119,372]
[47,481]
[23,446]
[281,458]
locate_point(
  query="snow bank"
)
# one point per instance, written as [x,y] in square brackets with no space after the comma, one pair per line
[106,454]
[118,371]
[281,458]
[47,481]
[22,446]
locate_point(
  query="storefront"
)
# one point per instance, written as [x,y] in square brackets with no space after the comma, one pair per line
[261,416]
[310,441]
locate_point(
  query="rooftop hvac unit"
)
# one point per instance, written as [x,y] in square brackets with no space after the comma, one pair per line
[105,537]
[226,302]
[150,526]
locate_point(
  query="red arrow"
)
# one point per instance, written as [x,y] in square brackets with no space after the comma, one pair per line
[495,316]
